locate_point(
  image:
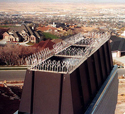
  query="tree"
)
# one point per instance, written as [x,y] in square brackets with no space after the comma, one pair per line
[13,54]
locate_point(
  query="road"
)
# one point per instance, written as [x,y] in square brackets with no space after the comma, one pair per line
[12,75]
[19,75]
[24,43]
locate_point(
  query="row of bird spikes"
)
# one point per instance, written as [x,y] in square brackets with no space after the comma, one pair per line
[38,60]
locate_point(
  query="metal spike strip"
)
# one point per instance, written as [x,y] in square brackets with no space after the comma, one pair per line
[38,61]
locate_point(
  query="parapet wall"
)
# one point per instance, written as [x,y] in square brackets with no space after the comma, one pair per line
[106,99]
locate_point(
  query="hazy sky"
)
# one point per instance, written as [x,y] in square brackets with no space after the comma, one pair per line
[84,1]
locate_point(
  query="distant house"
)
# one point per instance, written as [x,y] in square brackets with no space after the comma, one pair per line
[62,25]
[60,29]
[6,35]
[2,30]
[53,24]
[33,39]
[117,46]
[22,33]
[11,36]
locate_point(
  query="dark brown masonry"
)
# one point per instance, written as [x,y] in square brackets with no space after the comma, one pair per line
[73,79]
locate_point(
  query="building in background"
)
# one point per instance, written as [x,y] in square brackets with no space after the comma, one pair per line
[117,46]
[22,33]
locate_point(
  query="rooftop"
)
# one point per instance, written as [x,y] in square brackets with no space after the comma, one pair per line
[68,54]
[117,43]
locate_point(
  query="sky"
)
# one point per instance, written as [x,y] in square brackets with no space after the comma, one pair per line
[71,1]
